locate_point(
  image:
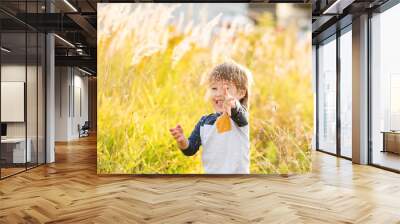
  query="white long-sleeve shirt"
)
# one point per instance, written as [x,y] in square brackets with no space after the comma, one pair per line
[223,153]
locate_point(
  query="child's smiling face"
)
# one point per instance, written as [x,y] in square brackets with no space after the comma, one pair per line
[217,90]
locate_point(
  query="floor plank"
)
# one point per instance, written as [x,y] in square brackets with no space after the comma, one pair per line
[70,191]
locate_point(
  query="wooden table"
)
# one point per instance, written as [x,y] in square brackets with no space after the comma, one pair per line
[391,141]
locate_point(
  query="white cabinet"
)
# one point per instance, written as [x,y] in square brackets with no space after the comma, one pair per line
[18,149]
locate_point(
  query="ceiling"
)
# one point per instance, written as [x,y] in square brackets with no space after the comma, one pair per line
[74,22]
[328,16]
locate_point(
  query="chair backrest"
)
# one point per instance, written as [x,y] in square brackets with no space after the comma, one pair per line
[86,124]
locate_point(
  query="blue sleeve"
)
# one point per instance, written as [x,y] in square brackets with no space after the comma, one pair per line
[194,140]
[239,115]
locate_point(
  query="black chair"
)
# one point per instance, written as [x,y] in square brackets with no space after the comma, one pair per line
[84,130]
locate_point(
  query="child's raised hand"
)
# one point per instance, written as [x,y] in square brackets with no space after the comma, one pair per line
[229,101]
[180,138]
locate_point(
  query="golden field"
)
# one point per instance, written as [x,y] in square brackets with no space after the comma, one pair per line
[151,71]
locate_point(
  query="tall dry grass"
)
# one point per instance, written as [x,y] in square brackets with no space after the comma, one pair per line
[150,75]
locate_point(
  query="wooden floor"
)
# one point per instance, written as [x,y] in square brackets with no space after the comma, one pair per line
[10,171]
[70,191]
[387,159]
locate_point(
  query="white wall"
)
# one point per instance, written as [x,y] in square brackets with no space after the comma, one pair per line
[79,110]
[70,83]
[33,127]
[62,81]
[14,73]
[11,73]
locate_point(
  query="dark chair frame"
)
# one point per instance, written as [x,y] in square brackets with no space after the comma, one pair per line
[84,129]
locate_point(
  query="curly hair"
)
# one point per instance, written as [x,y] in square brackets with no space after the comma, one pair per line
[230,71]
